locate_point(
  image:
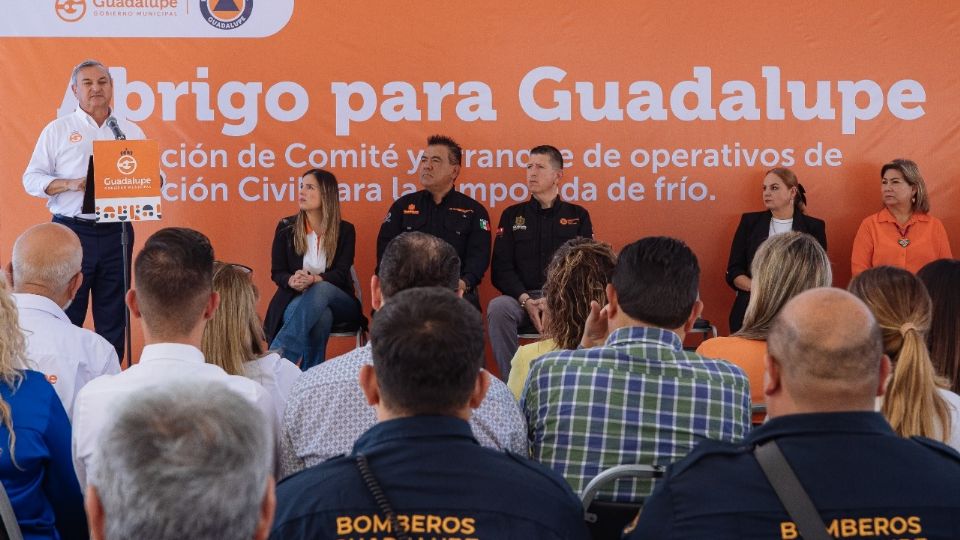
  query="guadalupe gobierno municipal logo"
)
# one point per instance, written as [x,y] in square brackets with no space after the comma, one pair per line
[226,14]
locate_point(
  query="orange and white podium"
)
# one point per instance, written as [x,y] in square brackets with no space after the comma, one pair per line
[126,180]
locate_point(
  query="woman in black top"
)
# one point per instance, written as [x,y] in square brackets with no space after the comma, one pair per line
[311,264]
[785,199]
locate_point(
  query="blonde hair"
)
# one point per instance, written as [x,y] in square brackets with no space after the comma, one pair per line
[13,361]
[234,335]
[785,265]
[903,310]
[789,179]
[330,220]
[911,175]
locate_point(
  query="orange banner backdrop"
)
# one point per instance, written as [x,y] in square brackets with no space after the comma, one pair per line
[669,112]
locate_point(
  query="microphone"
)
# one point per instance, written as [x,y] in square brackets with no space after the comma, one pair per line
[117,133]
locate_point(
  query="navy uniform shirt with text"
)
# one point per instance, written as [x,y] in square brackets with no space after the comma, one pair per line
[866,482]
[461,221]
[440,482]
[527,237]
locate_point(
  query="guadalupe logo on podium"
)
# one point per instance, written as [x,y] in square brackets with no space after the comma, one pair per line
[126,180]
[226,14]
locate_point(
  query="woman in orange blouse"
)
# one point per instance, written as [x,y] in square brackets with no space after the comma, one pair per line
[785,265]
[903,234]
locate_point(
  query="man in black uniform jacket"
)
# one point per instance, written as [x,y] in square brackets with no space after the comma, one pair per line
[528,235]
[420,469]
[825,368]
[442,211]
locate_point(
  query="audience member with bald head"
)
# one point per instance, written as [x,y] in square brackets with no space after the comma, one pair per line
[824,354]
[826,366]
[45,270]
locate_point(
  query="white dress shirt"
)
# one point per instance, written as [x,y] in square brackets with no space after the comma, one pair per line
[63,151]
[161,364]
[68,355]
[276,375]
[315,259]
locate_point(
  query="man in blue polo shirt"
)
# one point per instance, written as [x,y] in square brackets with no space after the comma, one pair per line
[420,470]
[825,368]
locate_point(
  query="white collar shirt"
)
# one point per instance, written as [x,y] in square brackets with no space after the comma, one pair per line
[63,151]
[161,364]
[327,412]
[69,356]
[315,259]
[277,376]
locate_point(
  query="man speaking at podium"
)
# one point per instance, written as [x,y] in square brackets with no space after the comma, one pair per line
[57,172]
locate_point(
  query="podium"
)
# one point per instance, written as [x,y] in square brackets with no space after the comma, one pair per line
[123,181]
[123,185]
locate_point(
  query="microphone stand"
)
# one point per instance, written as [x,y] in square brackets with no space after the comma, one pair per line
[124,245]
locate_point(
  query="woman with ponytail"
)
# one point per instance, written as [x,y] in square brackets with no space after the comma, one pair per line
[915,402]
[36,467]
[786,202]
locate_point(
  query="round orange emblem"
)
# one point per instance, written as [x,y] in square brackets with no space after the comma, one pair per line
[75,137]
[52,379]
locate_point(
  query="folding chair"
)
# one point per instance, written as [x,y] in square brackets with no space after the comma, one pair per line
[608,519]
[704,329]
[528,331]
[352,329]
[758,413]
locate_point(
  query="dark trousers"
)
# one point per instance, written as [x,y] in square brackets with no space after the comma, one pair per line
[102,278]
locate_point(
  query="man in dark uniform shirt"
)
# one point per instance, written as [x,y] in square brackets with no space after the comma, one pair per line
[825,367]
[420,470]
[444,212]
[528,235]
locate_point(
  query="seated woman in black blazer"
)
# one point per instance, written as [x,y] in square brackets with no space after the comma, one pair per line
[311,261]
[785,199]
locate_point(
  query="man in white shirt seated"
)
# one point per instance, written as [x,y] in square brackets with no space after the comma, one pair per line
[327,411]
[46,275]
[174,299]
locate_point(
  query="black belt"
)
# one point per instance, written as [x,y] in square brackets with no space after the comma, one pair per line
[78,220]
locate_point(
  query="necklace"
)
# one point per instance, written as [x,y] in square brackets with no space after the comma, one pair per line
[903,241]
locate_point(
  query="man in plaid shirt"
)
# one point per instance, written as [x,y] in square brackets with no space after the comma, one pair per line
[634,396]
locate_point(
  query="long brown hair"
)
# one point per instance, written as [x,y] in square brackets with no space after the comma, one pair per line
[902,307]
[942,279]
[234,335]
[13,359]
[330,212]
[785,265]
[578,273]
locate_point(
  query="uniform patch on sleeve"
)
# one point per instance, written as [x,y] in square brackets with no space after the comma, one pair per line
[484,224]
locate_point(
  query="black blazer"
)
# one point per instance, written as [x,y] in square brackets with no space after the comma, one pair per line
[753,230]
[285,262]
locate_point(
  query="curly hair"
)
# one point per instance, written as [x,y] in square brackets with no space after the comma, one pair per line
[577,274]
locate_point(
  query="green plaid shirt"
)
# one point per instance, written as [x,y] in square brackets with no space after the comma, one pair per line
[639,399]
